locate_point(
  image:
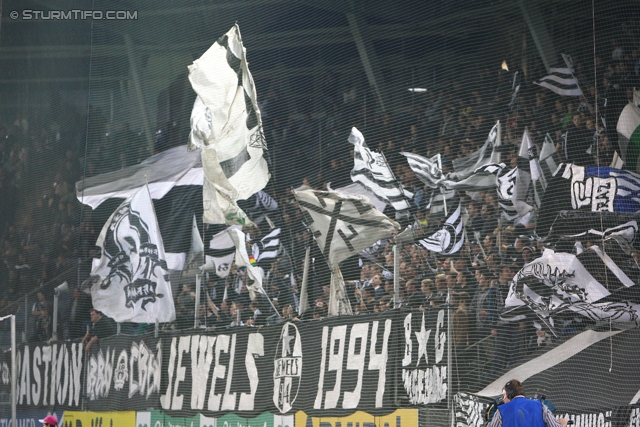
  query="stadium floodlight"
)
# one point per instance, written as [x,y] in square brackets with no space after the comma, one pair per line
[418,89]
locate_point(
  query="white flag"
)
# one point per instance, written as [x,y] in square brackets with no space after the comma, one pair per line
[226,126]
[132,283]
[342,225]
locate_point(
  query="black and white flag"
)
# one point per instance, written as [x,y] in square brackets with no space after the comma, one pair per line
[506,190]
[488,153]
[131,280]
[268,248]
[221,253]
[595,283]
[482,179]
[561,80]
[227,128]
[174,179]
[450,238]
[372,171]
[173,168]
[343,226]
[429,171]
[588,189]
[356,189]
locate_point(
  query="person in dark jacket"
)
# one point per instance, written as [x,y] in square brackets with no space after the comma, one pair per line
[102,327]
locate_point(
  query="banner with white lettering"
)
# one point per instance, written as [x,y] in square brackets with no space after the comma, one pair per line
[124,373]
[330,367]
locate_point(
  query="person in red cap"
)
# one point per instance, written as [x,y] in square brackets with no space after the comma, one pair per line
[49,421]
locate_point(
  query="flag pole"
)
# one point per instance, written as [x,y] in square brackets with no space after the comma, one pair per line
[196,311]
[303,304]
[444,201]
[396,275]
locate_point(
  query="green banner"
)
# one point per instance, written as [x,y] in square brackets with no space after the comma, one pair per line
[161,419]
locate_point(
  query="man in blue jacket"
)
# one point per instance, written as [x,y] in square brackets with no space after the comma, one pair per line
[518,411]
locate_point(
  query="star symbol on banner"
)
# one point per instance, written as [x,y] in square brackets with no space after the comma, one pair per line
[286,342]
[423,338]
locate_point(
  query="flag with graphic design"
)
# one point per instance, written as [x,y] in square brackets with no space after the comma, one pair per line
[429,171]
[372,170]
[220,254]
[343,225]
[450,238]
[131,281]
[598,283]
[227,128]
[588,188]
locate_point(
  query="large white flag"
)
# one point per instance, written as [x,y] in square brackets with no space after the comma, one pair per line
[372,171]
[343,225]
[131,280]
[174,179]
[227,128]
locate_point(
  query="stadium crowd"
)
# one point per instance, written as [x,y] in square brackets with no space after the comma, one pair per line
[49,238]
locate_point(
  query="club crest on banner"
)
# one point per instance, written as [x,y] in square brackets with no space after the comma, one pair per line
[4,373]
[121,372]
[287,368]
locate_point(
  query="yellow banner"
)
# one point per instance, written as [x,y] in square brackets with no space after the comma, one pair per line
[98,419]
[399,418]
